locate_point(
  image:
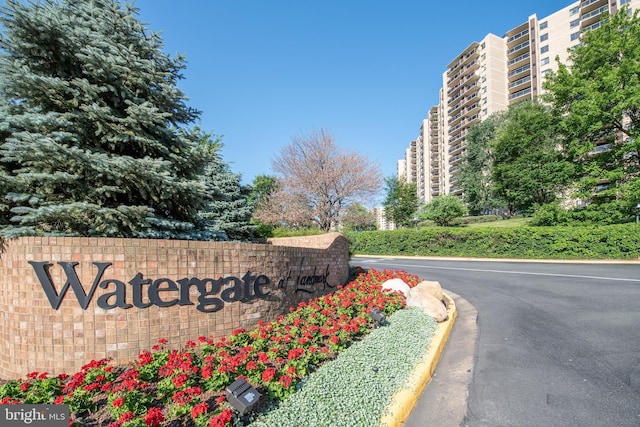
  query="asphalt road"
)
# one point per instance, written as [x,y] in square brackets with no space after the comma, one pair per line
[558,343]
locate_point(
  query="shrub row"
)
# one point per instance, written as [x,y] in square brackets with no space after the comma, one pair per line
[589,242]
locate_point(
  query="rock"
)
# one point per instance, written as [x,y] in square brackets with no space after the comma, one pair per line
[430,287]
[398,285]
[432,305]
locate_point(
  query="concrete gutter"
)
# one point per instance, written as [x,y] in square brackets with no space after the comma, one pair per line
[403,402]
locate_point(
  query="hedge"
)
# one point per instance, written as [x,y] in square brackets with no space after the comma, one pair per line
[588,242]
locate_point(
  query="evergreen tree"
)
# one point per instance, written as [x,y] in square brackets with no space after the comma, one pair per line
[228,211]
[95,137]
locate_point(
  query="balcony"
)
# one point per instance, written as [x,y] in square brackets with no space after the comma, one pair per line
[593,16]
[453,119]
[592,27]
[472,120]
[453,89]
[454,108]
[519,70]
[518,48]
[588,5]
[519,82]
[515,37]
[467,99]
[453,160]
[518,59]
[456,148]
[520,94]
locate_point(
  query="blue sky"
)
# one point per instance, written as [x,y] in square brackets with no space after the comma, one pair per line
[263,71]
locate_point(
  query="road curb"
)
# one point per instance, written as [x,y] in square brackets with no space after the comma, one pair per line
[403,402]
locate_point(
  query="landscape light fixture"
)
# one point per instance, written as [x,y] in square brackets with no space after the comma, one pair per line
[378,316]
[242,396]
[638,214]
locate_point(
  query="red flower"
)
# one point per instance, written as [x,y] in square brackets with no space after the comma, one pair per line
[24,386]
[91,387]
[206,372]
[117,402]
[154,416]
[268,374]
[263,358]
[221,420]
[127,416]
[335,339]
[180,380]
[199,409]
[221,399]
[285,380]
[295,353]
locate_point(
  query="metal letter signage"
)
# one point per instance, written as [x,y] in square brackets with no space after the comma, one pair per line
[162,292]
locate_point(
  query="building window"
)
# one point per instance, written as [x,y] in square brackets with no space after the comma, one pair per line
[623,2]
[544,61]
[544,49]
[574,23]
[485,112]
[484,79]
[575,36]
[544,37]
[484,100]
[574,10]
[543,25]
[482,45]
[545,72]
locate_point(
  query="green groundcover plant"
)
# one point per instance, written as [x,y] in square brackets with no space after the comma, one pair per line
[186,387]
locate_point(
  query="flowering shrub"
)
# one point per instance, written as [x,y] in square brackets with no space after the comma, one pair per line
[187,386]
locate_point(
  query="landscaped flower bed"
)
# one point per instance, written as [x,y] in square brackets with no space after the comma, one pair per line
[186,387]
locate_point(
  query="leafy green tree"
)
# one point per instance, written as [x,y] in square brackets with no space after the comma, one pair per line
[529,167]
[444,209]
[95,136]
[401,203]
[598,98]
[475,169]
[359,218]
[262,188]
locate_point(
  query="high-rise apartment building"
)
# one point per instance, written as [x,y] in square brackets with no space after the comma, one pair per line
[487,77]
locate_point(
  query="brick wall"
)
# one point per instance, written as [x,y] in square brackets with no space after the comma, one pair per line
[36,337]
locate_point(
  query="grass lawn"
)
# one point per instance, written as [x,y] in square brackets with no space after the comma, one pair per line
[503,223]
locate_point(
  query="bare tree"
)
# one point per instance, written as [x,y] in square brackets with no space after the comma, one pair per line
[317,180]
